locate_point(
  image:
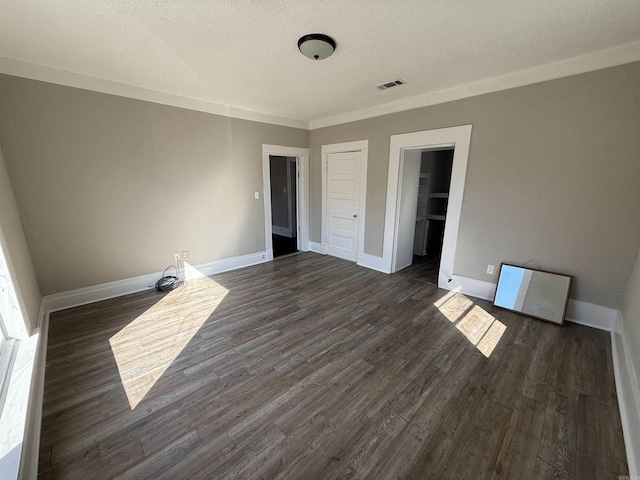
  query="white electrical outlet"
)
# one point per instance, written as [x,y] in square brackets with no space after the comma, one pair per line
[184,254]
[490,269]
[257,194]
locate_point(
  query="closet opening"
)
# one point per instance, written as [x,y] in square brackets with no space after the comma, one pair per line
[426,182]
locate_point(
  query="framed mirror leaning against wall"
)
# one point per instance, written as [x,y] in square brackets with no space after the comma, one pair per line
[536,293]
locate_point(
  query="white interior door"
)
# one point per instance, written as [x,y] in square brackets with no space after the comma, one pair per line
[407,209]
[343,204]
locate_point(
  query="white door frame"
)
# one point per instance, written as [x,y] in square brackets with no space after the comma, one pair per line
[291,199]
[302,210]
[460,139]
[325,150]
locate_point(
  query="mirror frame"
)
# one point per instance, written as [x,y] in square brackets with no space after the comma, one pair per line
[566,301]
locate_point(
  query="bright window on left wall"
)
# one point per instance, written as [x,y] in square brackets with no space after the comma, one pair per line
[17,354]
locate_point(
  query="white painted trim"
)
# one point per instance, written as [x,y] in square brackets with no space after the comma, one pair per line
[290,200]
[460,139]
[628,392]
[303,202]
[345,147]
[302,155]
[230,263]
[592,315]
[34,71]
[355,146]
[83,296]
[285,232]
[471,287]
[299,243]
[373,262]
[612,57]
[41,315]
[317,248]
[284,151]
[31,442]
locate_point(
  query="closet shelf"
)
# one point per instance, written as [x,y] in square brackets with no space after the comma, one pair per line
[439,195]
[437,217]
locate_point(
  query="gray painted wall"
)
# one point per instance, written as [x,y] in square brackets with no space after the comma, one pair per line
[109,187]
[18,251]
[553,175]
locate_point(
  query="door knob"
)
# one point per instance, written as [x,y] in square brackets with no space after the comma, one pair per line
[355,215]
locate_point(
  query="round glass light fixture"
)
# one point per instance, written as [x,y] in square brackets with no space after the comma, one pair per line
[316,46]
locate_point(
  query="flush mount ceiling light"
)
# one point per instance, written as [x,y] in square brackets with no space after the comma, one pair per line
[316,46]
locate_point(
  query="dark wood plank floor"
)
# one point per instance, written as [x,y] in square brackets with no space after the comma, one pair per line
[312,367]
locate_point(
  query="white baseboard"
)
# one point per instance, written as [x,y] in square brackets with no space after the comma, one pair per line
[83,296]
[373,262]
[317,248]
[628,392]
[31,442]
[468,286]
[233,263]
[592,315]
[285,232]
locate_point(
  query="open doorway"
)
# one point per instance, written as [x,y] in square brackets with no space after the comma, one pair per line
[432,185]
[405,161]
[284,193]
[299,197]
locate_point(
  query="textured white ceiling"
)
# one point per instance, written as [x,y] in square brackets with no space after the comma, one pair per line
[244,53]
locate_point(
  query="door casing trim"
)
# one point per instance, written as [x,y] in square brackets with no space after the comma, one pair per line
[302,156]
[457,137]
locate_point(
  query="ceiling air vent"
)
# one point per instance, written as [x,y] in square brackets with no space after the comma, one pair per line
[393,83]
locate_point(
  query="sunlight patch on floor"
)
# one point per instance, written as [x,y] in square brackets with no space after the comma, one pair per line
[490,340]
[453,305]
[145,348]
[481,328]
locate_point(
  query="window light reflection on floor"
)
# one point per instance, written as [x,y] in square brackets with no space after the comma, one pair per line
[146,347]
[480,328]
